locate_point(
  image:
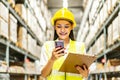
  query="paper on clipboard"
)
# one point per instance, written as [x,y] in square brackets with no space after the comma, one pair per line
[74,59]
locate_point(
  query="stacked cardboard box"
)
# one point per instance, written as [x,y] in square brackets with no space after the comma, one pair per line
[32,45]
[30,67]
[22,37]
[29,16]
[105,11]
[116,29]
[101,16]
[110,35]
[21,10]
[12,28]
[3,28]
[3,21]
[114,3]
[102,42]
[12,3]
[29,41]
[109,6]
[3,12]
[38,50]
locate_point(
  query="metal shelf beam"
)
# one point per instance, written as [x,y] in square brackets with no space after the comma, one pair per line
[5,42]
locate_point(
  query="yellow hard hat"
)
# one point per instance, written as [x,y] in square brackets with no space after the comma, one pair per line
[63,13]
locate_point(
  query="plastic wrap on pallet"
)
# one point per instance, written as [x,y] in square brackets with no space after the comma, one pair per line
[3,12]
[12,28]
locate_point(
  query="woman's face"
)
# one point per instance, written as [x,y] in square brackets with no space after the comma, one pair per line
[63,29]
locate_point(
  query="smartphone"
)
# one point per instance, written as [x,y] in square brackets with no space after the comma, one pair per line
[59,43]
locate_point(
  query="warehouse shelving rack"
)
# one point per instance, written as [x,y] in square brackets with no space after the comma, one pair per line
[11,50]
[106,54]
[108,51]
[21,21]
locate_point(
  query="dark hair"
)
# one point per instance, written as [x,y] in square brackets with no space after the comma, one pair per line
[71,33]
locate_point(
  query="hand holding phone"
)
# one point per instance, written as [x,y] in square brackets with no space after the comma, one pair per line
[60,44]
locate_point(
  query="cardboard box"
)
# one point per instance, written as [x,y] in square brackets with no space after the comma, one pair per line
[109,6]
[30,67]
[116,29]
[110,35]
[33,44]
[29,43]
[12,28]
[12,3]
[114,3]
[102,41]
[38,50]
[22,37]
[3,12]
[105,11]
[29,18]
[21,10]
[101,16]
[3,28]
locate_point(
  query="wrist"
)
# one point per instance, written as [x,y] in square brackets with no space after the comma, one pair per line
[51,60]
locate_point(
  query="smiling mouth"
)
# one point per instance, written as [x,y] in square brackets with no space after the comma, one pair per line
[63,33]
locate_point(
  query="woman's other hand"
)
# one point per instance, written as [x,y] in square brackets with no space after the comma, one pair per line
[83,70]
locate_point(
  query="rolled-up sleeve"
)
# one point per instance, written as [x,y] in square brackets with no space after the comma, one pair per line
[43,57]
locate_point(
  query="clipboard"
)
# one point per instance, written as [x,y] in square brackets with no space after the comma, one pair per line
[74,59]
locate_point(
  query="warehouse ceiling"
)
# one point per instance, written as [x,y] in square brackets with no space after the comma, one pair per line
[76,6]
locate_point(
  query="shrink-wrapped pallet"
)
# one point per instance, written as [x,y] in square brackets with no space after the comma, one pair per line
[3,28]
[3,12]
[12,28]
[22,37]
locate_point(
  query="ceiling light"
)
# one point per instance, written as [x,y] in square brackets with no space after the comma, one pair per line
[65,3]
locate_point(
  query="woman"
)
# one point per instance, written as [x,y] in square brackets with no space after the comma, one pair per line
[52,58]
